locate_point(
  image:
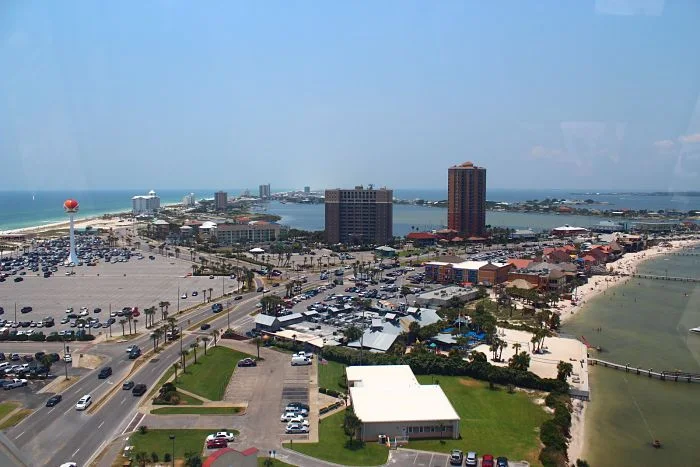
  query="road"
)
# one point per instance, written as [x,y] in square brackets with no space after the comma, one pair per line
[52,436]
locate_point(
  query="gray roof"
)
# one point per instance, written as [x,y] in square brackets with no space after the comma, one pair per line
[375,340]
[386,248]
[424,318]
[377,323]
[310,313]
[292,317]
[265,320]
[445,339]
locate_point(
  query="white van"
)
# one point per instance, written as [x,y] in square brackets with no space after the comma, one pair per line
[298,360]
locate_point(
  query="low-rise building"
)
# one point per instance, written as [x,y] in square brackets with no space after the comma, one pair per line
[267,323]
[390,402]
[568,231]
[422,239]
[439,297]
[493,273]
[253,232]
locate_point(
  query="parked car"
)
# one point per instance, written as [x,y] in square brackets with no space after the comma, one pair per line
[105,373]
[502,461]
[139,390]
[195,293]
[53,400]
[456,457]
[128,385]
[299,405]
[68,358]
[216,443]
[487,461]
[299,360]
[221,435]
[296,428]
[84,402]
[15,383]
[247,362]
[472,459]
[288,416]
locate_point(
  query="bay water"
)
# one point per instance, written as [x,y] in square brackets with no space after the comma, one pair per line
[644,323]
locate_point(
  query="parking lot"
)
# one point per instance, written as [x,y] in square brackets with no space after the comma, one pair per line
[141,283]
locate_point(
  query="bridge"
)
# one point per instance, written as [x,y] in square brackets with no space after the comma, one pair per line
[664,278]
[663,375]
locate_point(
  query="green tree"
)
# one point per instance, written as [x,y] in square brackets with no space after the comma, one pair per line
[141,458]
[352,333]
[520,361]
[192,459]
[564,370]
[351,424]
[123,322]
[205,339]
[413,330]
[176,365]
[194,346]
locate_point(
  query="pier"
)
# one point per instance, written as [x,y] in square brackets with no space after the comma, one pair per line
[663,375]
[664,278]
[684,253]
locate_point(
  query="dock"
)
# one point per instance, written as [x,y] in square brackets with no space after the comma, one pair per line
[663,375]
[664,278]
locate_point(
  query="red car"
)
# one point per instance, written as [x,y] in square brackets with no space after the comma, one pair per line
[217,443]
[487,461]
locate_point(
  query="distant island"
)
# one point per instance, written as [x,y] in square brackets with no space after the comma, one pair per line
[639,193]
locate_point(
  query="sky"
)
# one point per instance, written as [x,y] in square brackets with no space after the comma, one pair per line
[580,95]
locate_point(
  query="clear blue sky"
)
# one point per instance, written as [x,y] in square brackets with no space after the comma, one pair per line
[561,94]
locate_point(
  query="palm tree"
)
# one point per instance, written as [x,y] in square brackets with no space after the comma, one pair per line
[204,295]
[123,322]
[194,346]
[135,321]
[149,312]
[176,365]
[183,356]
[166,305]
[214,334]
[154,337]
[564,370]
[141,458]
[161,305]
[205,339]
[211,289]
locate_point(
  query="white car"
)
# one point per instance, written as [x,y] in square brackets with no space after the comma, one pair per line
[183,296]
[288,416]
[68,358]
[296,428]
[84,402]
[299,420]
[84,313]
[69,310]
[221,435]
[296,410]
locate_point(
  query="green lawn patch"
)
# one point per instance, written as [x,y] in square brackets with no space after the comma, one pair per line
[272,463]
[210,376]
[6,408]
[189,400]
[329,376]
[15,419]
[196,410]
[158,441]
[332,445]
[493,421]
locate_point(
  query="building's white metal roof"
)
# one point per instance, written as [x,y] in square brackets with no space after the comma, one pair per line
[265,320]
[381,375]
[470,265]
[376,340]
[290,317]
[391,393]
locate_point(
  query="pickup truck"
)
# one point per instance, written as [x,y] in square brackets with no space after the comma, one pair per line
[15,383]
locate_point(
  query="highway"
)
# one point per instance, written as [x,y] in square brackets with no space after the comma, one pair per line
[52,436]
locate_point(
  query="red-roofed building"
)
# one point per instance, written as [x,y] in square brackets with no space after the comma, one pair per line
[422,238]
[558,256]
[227,457]
[519,263]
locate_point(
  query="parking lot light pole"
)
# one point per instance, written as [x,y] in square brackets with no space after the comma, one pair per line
[65,363]
[172,438]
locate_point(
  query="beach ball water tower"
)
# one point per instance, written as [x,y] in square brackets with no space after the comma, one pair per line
[70,206]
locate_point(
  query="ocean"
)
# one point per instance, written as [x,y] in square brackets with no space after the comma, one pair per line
[644,323]
[23,209]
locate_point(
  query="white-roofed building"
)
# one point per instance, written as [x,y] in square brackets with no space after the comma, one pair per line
[266,322]
[389,401]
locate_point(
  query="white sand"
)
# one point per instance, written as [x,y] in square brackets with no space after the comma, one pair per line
[626,265]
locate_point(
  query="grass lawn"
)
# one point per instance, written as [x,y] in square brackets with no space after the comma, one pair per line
[158,441]
[329,375]
[5,408]
[196,410]
[493,422]
[210,376]
[189,400]
[273,463]
[15,419]
[332,445]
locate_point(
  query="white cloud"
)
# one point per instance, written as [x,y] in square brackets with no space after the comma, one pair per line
[694,138]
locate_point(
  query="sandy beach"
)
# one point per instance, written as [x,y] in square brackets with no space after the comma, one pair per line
[624,266]
[597,285]
[95,222]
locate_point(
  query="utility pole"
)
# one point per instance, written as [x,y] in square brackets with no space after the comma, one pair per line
[65,363]
[15,312]
[178,299]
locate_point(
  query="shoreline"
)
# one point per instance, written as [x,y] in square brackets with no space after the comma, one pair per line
[628,264]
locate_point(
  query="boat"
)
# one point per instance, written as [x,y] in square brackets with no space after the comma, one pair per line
[697,329]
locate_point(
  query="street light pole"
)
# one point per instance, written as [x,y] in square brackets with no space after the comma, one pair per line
[65,363]
[172,438]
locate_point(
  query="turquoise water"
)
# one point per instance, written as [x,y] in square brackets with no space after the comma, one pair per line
[644,323]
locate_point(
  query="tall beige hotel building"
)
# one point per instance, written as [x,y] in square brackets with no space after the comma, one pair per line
[466,200]
[360,215]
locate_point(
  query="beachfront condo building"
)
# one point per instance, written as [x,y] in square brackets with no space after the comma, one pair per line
[264,191]
[359,216]
[466,200]
[220,200]
[147,204]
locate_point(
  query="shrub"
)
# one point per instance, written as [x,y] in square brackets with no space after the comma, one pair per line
[167,457]
[143,429]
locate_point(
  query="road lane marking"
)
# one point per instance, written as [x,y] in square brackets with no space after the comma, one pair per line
[123,400]
[100,425]
[18,436]
[76,452]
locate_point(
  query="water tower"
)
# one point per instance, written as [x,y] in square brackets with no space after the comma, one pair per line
[71,207]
